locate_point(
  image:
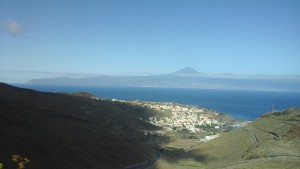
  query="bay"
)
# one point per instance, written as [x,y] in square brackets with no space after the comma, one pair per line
[243,105]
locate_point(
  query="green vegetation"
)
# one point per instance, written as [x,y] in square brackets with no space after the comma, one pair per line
[20,161]
[83,132]
[277,134]
[190,163]
[192,137]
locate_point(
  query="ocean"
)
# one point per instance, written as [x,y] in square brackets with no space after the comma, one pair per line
[243,105]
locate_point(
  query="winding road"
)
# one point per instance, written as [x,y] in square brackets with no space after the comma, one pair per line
[146,164]
[252,134]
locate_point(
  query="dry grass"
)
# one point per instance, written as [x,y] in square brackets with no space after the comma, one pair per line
[276,134]
[180,142]
[267,163]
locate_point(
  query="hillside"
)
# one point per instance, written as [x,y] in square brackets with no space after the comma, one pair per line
[49,130]
[272,141]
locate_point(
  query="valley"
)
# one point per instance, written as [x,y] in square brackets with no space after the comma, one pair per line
[79,130]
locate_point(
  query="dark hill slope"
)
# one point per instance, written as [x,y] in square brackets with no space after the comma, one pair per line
[63,131]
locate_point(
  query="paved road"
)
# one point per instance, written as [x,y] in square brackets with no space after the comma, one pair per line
[284,155]
[147,163]
[252,134]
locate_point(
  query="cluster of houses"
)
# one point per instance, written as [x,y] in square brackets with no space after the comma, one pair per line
[178,117]
[182,117]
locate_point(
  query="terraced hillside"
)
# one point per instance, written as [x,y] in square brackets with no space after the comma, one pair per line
[48,130]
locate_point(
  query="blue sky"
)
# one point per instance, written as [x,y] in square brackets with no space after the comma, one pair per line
[151,36]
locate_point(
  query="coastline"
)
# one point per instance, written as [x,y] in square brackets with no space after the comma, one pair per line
[243,105]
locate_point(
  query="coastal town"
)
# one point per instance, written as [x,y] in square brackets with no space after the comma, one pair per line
[180,118]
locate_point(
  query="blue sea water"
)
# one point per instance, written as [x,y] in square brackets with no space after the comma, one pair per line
[244,105]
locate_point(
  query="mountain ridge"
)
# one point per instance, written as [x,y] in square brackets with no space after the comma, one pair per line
[187,71]
[55,130]
[184,78]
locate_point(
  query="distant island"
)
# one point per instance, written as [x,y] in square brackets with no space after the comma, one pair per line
[184,78]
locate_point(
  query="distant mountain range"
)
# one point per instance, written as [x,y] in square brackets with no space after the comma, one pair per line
[185,78]
[15,76]
[188,71]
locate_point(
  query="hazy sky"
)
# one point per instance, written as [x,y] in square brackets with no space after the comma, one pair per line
[155,36]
